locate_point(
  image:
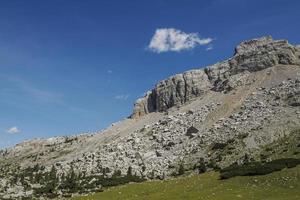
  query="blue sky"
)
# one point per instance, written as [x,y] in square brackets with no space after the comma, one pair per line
[74,66]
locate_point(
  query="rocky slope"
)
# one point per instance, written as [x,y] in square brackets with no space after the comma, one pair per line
[213,116]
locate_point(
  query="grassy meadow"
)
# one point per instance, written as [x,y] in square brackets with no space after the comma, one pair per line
[281,185]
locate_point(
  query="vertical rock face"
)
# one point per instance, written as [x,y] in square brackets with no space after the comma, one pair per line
[180,88]
[144,105]
[173,91]
[250,56]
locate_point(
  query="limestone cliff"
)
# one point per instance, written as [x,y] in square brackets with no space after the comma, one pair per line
[250,56]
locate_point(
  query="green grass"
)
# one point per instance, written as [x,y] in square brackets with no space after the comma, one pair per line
[281,185]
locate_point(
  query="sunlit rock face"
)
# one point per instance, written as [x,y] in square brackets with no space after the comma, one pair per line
[250,56]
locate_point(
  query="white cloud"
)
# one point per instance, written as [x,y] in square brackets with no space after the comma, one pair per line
[209,48]
[170,39]
[109,71]
[123,97]
[13,130]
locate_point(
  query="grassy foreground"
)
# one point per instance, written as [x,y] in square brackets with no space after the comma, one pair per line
[282,185]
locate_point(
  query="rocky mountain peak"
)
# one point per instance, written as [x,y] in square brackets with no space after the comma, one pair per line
[253,45]
[250,56]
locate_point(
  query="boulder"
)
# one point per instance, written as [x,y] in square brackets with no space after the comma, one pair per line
[191,131]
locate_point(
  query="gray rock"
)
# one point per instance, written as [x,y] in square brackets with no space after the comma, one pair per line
[174,91]
[250,56]
[191,131]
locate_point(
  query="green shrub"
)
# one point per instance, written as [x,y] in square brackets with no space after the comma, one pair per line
[202,168]
[258,168]
[120,180]
[217,146]
[181,169]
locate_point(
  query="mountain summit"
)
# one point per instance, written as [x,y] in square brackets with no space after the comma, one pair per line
[251,56]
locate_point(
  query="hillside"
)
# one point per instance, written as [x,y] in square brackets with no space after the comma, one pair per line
[284,185]
[279,185]
[212,117]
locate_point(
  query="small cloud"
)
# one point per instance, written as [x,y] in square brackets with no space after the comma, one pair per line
[170,39]
[109,71]
[123,97]
[13,130]
[209,48]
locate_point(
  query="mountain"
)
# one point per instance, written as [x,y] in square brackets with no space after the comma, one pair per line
[244,109]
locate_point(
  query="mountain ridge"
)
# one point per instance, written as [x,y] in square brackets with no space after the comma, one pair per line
[180,88]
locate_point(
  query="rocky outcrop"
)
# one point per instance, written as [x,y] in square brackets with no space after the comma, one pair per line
[258,54]
[174,91]
[250,56]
